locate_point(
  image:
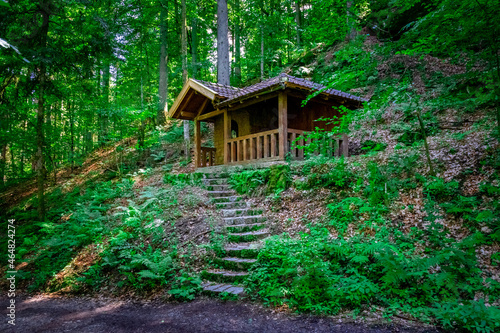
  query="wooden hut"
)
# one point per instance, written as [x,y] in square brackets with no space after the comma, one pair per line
[259,122]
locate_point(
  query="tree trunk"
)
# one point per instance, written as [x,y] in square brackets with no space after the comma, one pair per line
[39,155]
[351,29]
[237,46]
[194,46]
[3,163]
[161,115]
[104,119]
[184,69]
[262,52]
[298,19]
[72,135]
[222,43]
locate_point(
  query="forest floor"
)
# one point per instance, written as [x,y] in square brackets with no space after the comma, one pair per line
[59,314]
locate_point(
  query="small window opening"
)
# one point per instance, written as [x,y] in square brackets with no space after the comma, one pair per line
[234,129]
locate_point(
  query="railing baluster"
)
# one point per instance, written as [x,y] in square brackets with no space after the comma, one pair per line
[244,150]
[273,145]
[259,142]
[301,151]
[293,144]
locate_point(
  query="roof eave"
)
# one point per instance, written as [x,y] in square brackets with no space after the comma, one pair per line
[175,111]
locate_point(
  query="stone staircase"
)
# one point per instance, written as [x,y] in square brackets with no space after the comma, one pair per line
[245,227]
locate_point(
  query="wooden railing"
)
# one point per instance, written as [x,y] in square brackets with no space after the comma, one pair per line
[207,156]
[264,146]
[328,144]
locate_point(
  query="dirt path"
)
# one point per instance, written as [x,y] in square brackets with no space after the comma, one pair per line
[79,315]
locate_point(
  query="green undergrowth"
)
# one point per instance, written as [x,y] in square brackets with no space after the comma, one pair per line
[110,236]
[270,180]
[358,258]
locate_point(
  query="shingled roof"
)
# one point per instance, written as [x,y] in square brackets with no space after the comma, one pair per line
[187,105]
[220,89]
[285,80]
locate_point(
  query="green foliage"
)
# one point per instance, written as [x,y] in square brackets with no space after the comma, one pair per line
[438,189]
[183,179]
[472,316]
[186,287]
[247,181]
[370,145]
[274,179]
[335,175]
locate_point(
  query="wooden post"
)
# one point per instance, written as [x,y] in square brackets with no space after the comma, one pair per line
[345,145]
[227,133]
[294,150]
[283,124]
[244,149]
[197,143]
[266,146]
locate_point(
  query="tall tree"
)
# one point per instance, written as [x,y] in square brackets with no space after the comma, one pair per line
[298,20]
[184,69]
[237,44]
[45,11]
[163,75]
[222,43]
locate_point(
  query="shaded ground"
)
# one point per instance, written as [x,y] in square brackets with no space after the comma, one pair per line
[45,314]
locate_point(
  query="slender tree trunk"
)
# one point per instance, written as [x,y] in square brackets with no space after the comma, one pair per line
[184,70]
[222,43]
[72,135]
[40,117]
[194,45]
[161,114]
[351,29]
[298,20]
[104,119]
[39,155]
[262,52]
[237,46]
[3,164]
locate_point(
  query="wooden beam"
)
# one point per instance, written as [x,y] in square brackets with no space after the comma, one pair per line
[282,124]
[235,106]
[202,107]
[188,114]
[197,143]
[186,100]
[227,133]
[316,99]
[172,113]
[210,114]
[202,89]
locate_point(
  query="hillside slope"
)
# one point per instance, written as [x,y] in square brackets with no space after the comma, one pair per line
[382,230]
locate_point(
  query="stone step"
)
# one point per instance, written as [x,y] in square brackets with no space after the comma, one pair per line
[219,194]
[216,175]
[225,187]
[235,263]
[214,181]
[244,219]
[224,276]
[248,236]
[243,250]
[231,198]
[239,228]
[231,205]
[217,288]
[241,212]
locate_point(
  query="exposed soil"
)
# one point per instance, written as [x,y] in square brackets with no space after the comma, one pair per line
[50,314]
